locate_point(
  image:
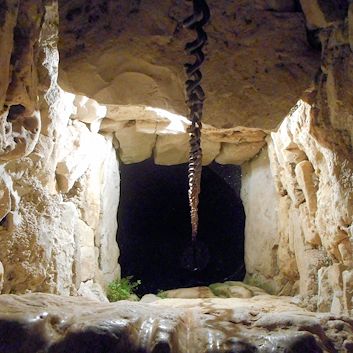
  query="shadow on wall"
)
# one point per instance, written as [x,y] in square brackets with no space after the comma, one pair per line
[154,225]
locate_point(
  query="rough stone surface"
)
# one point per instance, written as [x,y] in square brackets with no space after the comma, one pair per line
[59,178]
[1,276]
[261,224]
[315,209]
[122,57]
[92,291]
[142,132]
[132,53]
[20,122]
[51,210]
[323,13]
[311,162]
[48,323]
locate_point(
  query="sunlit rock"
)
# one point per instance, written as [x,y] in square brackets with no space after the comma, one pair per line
[314,211]
[92,291]
[5,200]
[19,132]
[134,146]
[238,153]
[305,175]
[86,254]
[88,110]
[174,149]
[261,218]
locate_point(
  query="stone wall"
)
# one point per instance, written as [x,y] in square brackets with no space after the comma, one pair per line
[261,202]
[309,248]
[59,178]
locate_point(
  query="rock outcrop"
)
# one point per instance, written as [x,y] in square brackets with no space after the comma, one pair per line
[131,55]
[59,180]
[311,249]
[48,323]
[143,132]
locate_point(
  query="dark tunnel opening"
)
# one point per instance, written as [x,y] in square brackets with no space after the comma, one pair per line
[154,225]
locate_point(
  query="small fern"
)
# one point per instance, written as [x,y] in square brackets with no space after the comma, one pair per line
[122,288]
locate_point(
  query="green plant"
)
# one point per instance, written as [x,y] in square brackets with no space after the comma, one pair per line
[122,288]
[161,294]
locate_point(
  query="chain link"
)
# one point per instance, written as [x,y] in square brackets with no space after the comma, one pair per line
[195,99]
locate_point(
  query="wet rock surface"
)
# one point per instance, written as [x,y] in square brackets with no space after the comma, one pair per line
[49,323]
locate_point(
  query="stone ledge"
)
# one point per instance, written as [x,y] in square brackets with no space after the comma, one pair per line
[49,323]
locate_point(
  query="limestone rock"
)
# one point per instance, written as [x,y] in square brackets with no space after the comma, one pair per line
[261,229]
[330,296]
[143,131]
[189,293]
[96,196]
[88,110]
[312,167]
[20,122]
[233,289]
[1,276]
[86,261]
[304,172]
[79,146]
[31,231]
[105,234]
[134,146]
[5,200]
[260,324]
[320,13]
[174,149]
[149,298]
[19,132]
[338,89]
[171,149]
[39,246]
[238,153]
[133,54]
[19,34]
[347,278]
[92,291]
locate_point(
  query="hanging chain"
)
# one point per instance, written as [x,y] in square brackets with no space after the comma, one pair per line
[195,98]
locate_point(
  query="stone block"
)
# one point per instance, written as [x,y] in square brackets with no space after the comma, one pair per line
[238,153]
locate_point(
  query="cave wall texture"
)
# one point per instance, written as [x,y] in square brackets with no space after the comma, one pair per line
[311,167]
[273,74]
[59,178]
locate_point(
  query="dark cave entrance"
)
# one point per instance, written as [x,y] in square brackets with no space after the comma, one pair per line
[154,225]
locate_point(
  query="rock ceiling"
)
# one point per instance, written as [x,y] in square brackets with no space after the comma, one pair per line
[258,60]
[130,53]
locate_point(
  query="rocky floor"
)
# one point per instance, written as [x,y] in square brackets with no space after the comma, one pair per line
[262,323]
